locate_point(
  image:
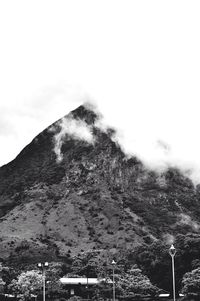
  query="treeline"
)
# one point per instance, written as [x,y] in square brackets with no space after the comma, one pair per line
[143,271]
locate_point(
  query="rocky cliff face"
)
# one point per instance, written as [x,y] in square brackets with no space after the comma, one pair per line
[67,192]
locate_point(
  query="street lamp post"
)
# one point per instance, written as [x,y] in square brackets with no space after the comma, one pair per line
[113,266]
[172,252]
[43,266]
[87,286]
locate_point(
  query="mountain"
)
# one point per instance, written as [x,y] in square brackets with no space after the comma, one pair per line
[73,189]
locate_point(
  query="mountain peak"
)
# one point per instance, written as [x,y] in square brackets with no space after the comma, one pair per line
[86,112]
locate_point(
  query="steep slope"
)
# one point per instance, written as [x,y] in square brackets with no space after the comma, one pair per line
[94,197]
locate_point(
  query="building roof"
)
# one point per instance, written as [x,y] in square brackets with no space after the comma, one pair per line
[84,281]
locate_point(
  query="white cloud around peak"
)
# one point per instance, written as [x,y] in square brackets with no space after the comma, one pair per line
[138,60]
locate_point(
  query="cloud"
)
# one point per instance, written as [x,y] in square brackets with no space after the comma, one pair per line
[4,126]
[69,127]
[157,134]
[141,65]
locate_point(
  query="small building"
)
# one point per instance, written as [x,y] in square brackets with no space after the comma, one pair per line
[79,286]
[164,295]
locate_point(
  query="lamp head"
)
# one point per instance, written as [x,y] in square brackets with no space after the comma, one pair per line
[172,250]
[43,264]
[113,262]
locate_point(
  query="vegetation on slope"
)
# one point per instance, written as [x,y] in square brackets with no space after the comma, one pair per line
[96,199]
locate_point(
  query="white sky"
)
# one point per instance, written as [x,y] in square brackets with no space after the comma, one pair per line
[138,60]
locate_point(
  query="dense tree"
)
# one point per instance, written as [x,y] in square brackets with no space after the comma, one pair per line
[191,283]
[27,283]
[134,283]
[6,276]
[53,284]
[86,264]
[2,283]
[129,284]
[155,261]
